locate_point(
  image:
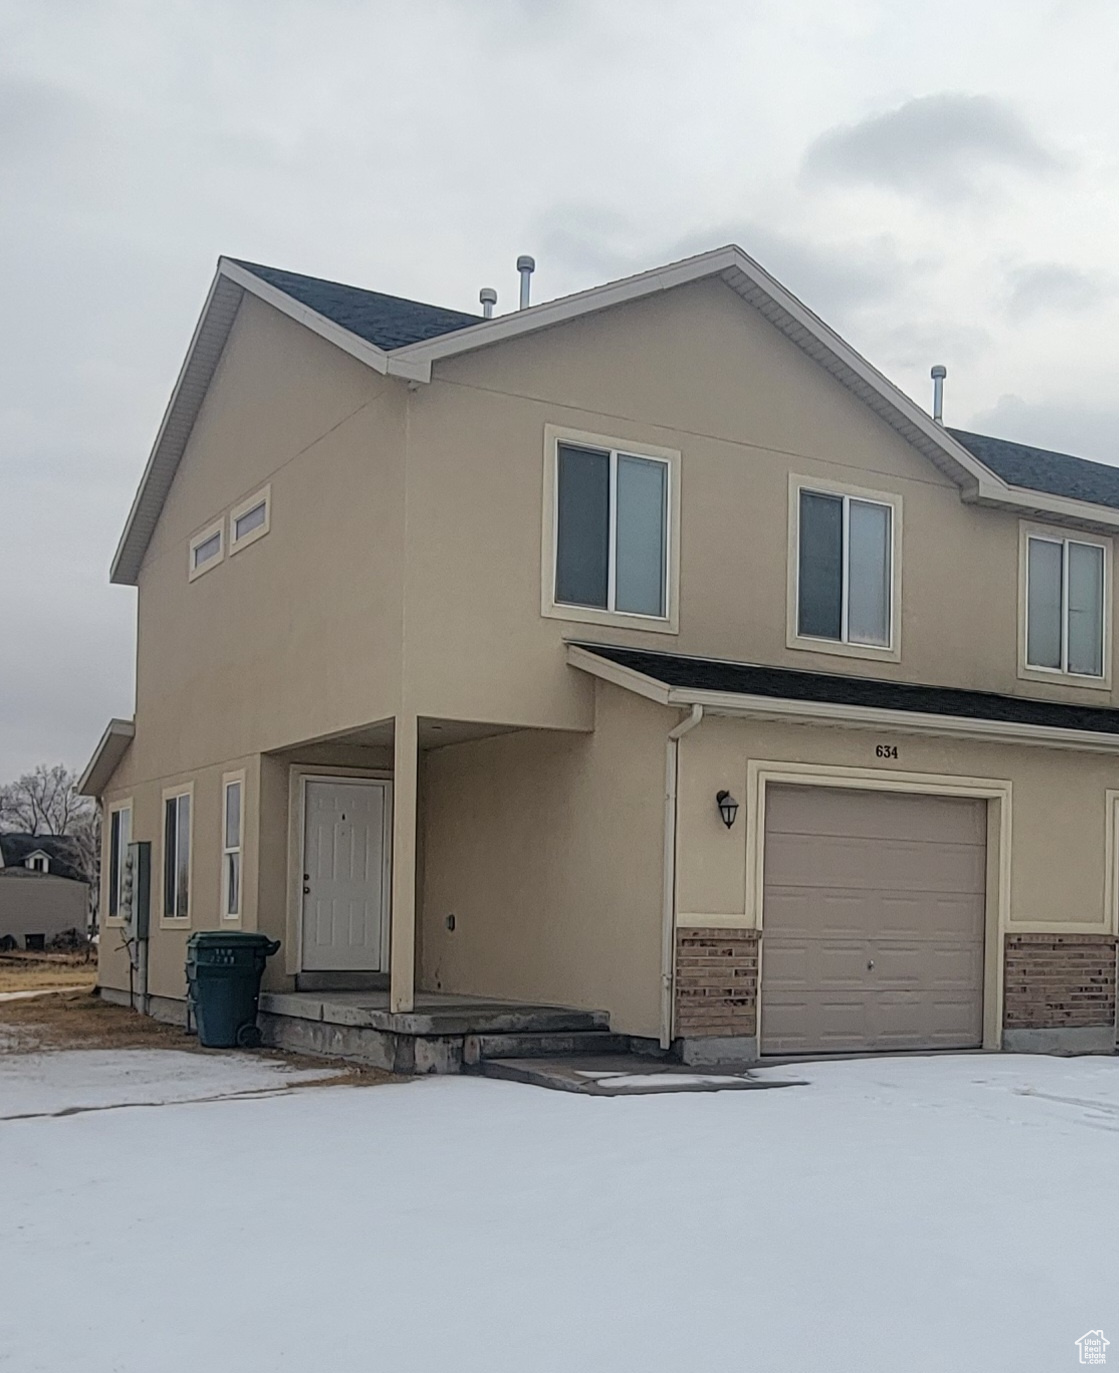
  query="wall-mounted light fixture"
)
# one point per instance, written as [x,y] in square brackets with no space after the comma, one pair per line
[728,807]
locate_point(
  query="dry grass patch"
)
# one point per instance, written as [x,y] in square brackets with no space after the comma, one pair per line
[25,972]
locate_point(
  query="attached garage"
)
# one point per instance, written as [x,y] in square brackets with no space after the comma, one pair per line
[873,920]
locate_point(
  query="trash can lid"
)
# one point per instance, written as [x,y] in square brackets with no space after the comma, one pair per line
[232,939]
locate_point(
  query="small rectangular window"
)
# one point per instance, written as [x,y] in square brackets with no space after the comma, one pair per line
[206,551]
[250,520]
[845,569]
[1065,606]
[611,531]
[232,832]
[176,857]
[120,836]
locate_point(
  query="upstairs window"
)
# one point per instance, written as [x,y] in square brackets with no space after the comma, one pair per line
[612,531]
[250,520]
[206,551]
[1065,593]
[845,569]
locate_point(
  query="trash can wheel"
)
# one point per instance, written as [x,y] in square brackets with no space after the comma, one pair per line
[248,1037]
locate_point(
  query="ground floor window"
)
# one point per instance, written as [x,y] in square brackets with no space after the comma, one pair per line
[232,837]
[176,857]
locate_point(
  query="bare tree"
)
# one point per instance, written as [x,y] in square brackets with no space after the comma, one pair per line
[45,802]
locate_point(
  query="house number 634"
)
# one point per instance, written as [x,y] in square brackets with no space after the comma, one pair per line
[886,751]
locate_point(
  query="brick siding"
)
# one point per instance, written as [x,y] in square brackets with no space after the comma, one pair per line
[716,982]
[1056,981]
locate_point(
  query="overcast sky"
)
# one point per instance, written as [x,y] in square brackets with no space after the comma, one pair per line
[940,181]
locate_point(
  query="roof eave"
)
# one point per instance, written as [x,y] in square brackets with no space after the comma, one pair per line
[111,748]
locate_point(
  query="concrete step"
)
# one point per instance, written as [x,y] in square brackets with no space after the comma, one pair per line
[626,1075]
[477,1048]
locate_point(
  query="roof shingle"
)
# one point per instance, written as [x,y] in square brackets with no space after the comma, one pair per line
[1039,469]
[386,321]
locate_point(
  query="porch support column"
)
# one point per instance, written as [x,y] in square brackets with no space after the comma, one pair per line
[402,945]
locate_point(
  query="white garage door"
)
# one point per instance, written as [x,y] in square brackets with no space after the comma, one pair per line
[873,921]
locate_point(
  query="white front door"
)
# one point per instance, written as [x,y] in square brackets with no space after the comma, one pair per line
[345,873]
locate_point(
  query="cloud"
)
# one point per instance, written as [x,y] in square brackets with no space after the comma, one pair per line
[1064,426]
[921,344]
[593,243]
[931,146]
[1044,287]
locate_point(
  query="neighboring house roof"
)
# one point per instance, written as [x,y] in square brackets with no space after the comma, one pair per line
[106,757]
[727,687]
[353,320]
[18,848]
[387,321]
[1040,469]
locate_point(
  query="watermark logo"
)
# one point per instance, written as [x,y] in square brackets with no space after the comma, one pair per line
[1093,1347]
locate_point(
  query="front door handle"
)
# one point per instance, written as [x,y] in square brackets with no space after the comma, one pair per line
[869,962]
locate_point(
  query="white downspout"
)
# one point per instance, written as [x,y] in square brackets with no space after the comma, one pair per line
[668,909]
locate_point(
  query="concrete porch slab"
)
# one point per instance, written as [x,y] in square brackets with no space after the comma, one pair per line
[436,1013]
[625,1075]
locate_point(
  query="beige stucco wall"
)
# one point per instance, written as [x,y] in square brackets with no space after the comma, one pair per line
[547,849]
[697,370]
[1058,810]
[42,904]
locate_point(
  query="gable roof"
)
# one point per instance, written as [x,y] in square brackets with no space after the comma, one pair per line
[403,338]
[1040,469]
[387,321]
[59,848]
[111,748]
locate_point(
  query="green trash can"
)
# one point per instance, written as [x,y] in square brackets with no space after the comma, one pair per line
[223,971]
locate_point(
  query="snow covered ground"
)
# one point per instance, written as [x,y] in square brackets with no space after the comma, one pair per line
[923,1214]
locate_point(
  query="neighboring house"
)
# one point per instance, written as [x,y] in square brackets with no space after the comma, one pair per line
[460,640]
[42,892]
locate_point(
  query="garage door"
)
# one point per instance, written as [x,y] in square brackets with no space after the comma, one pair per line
[872,921]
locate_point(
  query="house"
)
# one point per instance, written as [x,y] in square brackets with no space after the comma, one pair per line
[42,891]
[640,662]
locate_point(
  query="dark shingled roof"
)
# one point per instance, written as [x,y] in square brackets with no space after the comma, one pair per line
[386,321]
[1038,469]
[793,684]
[58,847]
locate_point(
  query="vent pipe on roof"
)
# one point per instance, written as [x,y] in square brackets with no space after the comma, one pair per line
[488,296]
[526,266]
[938,374]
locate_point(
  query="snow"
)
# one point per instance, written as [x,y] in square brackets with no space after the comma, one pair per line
[918,1214]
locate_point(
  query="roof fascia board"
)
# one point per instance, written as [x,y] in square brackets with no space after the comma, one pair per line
[901,721]
[1027,502]
[342,338]
[106,756]
[518,322]
[125,568]
[614,673]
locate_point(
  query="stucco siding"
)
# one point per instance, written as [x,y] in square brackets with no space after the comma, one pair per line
[547,850]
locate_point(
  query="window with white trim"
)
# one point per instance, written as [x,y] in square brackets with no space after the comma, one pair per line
[250,520]
[233,829]
[38,862]
[120,836]
[1065,592]
[611,530]
[206,550]
[845,568]
[176,856]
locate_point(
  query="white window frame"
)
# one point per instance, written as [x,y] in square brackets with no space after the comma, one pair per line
[196,542]
[37,862]
[261,497]
[175,922]
[1027,671]
[890,652]
[669,622]
[115,808]
[232,779]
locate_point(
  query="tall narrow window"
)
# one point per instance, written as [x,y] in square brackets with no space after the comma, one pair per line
[611,531]
[845,569]
[232,832]
[176,857]
[120,836]
[1065,606]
